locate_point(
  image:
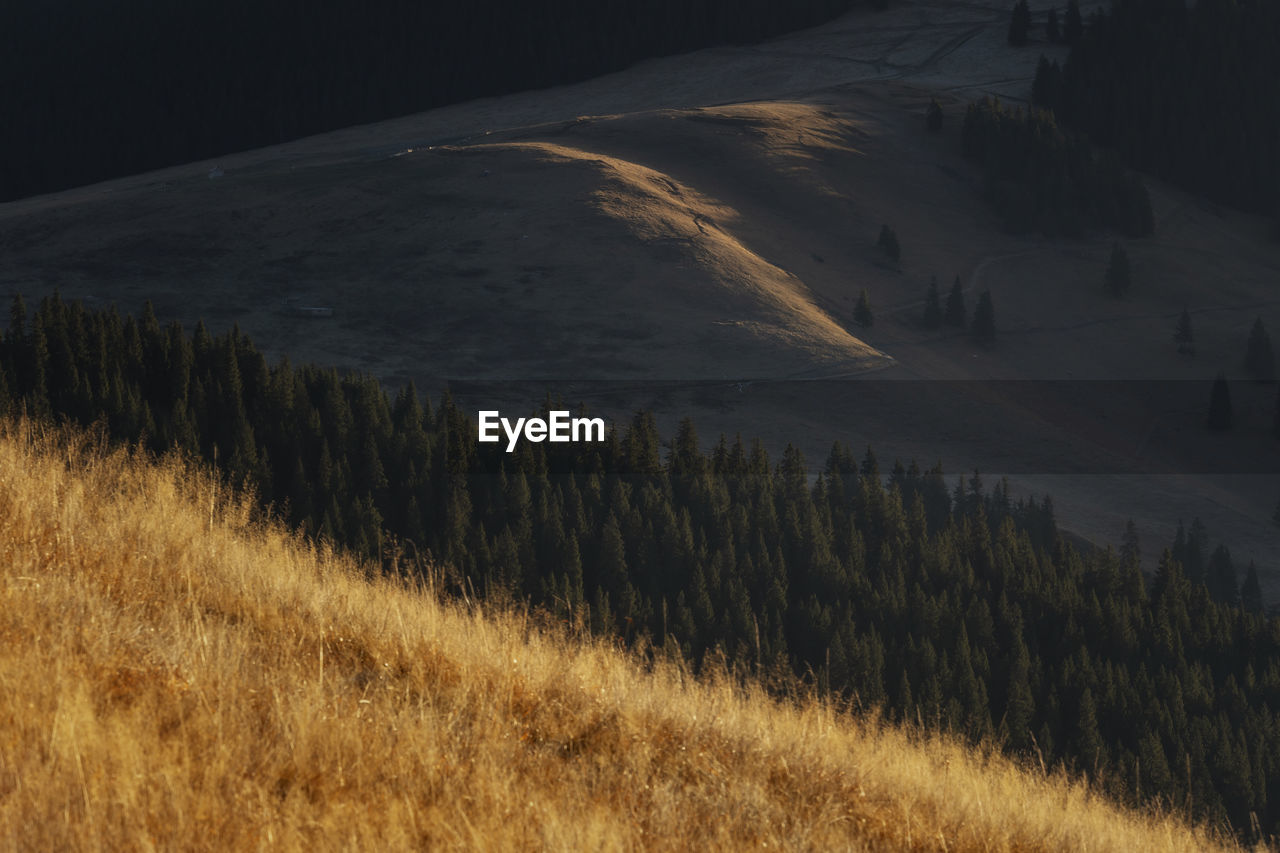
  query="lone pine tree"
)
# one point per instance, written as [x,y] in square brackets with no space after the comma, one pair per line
[1183,335]
[932,317]
[1259,359]
[956,315]
[888,242]
[1019,23]
[933,116]
[984,319]
[1117,277]
[1220,404]
[1073,24]
[862,311]
[1052,31]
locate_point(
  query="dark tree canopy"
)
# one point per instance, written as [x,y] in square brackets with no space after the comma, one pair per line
[862,311]
[1073,25]
[932,317]
[1189,92]
[956,314]
[888,242]
[1040,178]
[933,116]
[1183,335]
[1052,29]
[1048,79]
[1259,359]
[1019,23]
[1117,276]
[984,319]
[1220,416]
[1251,591]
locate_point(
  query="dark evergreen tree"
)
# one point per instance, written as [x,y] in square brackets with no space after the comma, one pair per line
[1251,592]
[1221,578]
[1044,89]
[1052,29]
[1019,23]
[862,311]
[1259,360]
[932,317]
[984,319]
[888,242]
[1183,335]
[1130,550]
[956,315]
[1275,428]
[1220,404]
[1117,276]
[933,116]
[1073,24]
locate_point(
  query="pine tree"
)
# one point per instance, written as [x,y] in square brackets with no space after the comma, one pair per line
[1251,590]
[1221,578]
[862,311]
[1130,551]
[1183,335]
[1259,359]
[1019,23]
[1073,24]
[1052,31]
[984,319]
[932,318]
[888,243]
[17,319]
[1117,278]
[956,314]
[1087,741]
[933,116]
[1220,404]
[1044,89]
[1020,705]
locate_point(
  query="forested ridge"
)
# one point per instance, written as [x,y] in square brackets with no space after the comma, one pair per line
[98,90]
[953,605]
[1188,92]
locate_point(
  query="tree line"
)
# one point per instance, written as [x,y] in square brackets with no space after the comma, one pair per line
[942,601]
[98,90]
[1186,91]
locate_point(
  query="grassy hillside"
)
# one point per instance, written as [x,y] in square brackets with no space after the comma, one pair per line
[175,673]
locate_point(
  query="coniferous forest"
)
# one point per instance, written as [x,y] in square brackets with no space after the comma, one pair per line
[938,600]
[100,90]
[1040,178]
[1188,92]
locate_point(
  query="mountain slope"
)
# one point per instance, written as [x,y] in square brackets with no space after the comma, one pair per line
[173,673]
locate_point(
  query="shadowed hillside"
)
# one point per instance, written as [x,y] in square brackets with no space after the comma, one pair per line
[173,673]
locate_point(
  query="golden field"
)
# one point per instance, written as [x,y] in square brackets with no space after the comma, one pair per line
[177,674]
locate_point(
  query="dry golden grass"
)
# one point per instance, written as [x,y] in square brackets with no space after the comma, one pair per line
[176,675]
